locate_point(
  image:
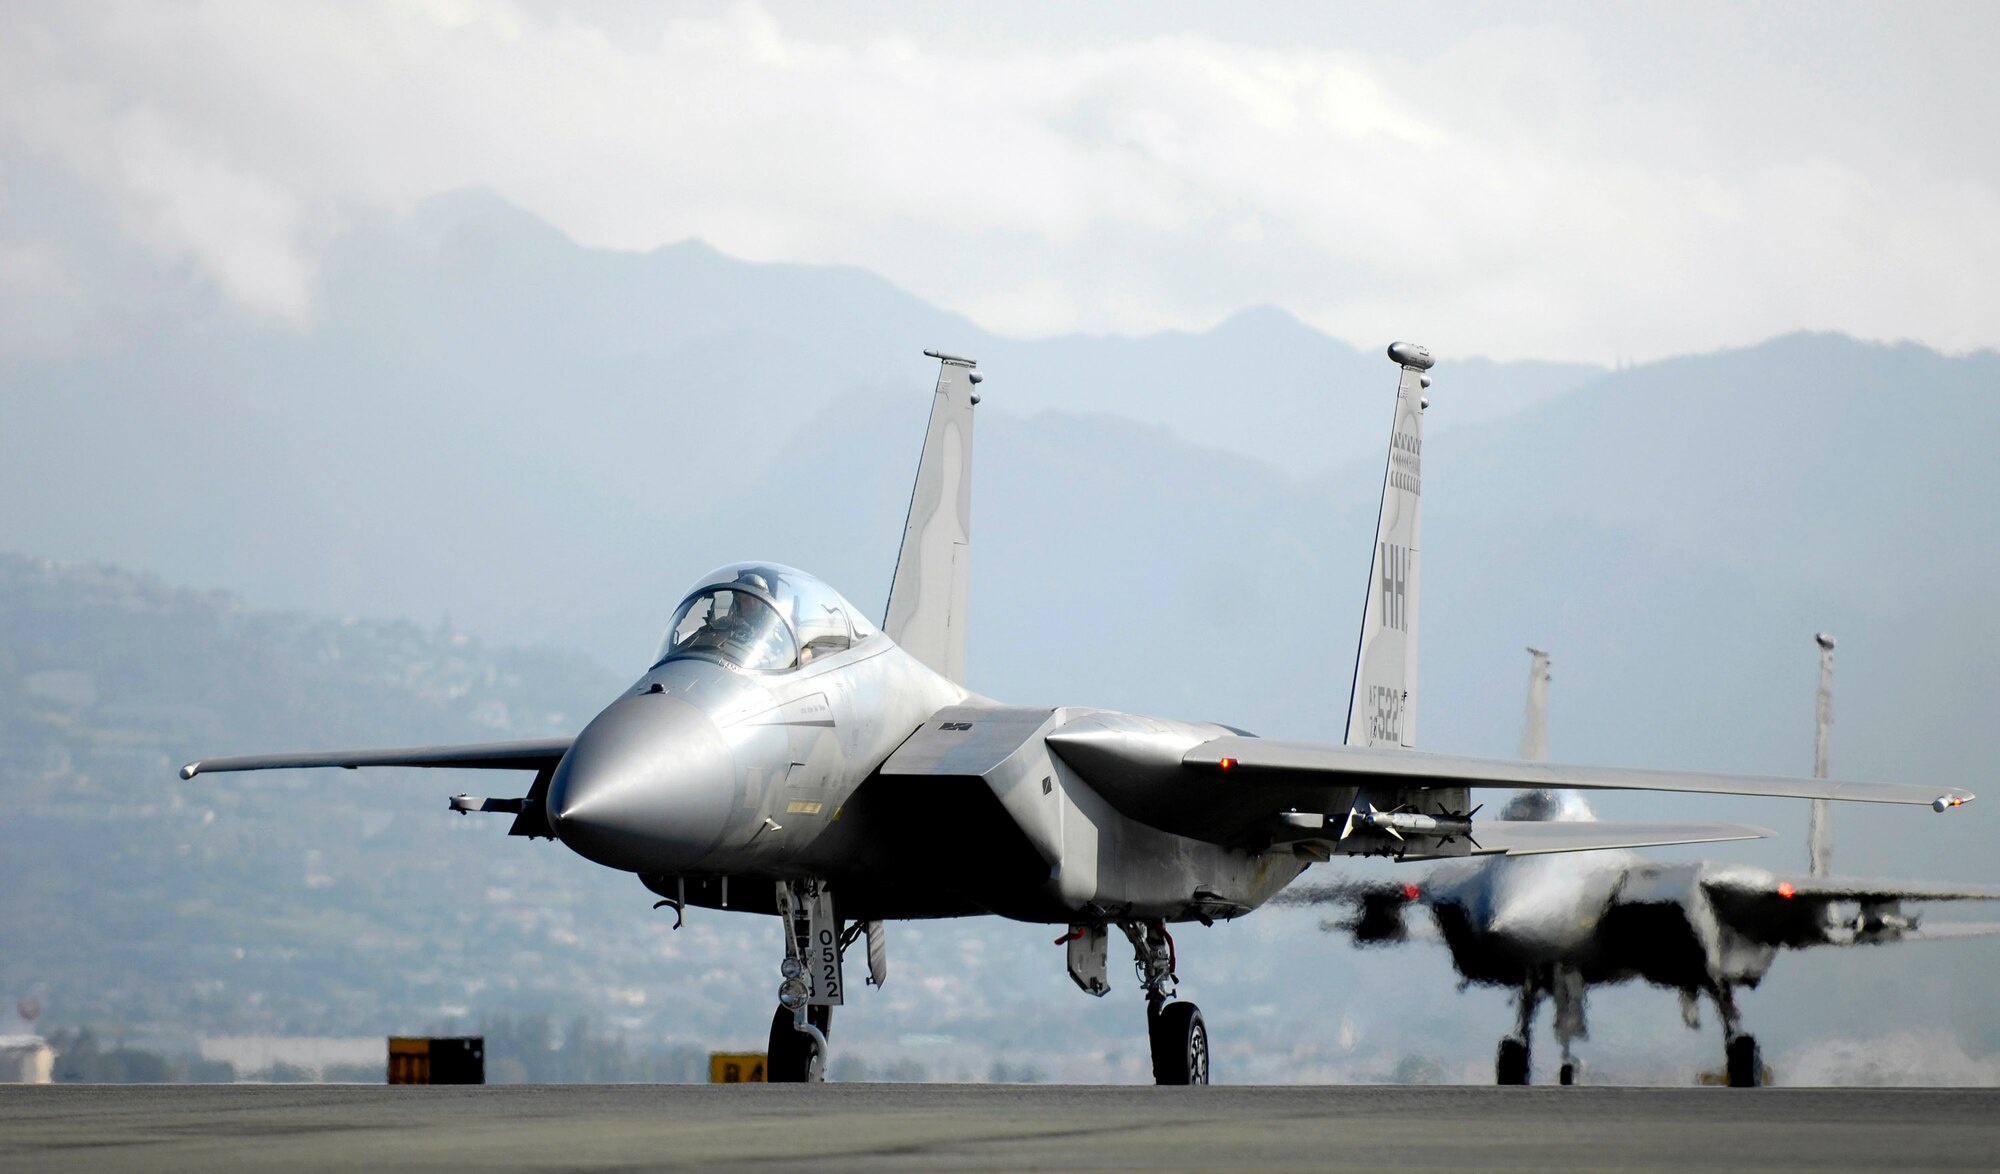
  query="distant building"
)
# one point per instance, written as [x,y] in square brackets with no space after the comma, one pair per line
[26,1059]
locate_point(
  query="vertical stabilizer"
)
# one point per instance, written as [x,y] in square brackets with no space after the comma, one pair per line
[1557,805]
[1819,832]
[1535,727]
[1382,709]
[927,598]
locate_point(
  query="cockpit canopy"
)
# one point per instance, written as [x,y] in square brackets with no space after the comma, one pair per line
[763,617]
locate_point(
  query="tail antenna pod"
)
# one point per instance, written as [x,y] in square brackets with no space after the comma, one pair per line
[927,597]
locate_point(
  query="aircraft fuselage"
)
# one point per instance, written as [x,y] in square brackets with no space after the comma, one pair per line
[711,782]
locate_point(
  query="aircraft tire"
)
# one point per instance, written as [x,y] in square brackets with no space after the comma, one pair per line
[1180,1044]
[1511,1065]
[1568,1075]
[1744,1062]
[789,1057]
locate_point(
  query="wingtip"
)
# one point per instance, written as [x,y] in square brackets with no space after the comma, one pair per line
[191,769]
[1951,799]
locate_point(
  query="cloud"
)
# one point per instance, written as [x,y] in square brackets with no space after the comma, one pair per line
[1512,191]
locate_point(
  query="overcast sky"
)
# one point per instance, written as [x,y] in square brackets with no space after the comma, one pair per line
[1589,182]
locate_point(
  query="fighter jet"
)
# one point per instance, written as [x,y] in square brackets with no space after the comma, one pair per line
[785,756]
[1551,928]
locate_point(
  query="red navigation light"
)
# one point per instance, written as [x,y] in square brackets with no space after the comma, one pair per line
[1410,892]
[1228,764]
[1786,890]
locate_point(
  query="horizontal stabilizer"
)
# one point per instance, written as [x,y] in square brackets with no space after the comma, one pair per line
[1348,892]
[535,754]
[1826,888]
[467,804]
[1938,932]
[1526,837]
[1252,758]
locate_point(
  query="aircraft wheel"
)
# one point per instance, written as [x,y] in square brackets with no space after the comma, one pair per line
[1180,1044]
[791,1050]
[1744,1061]
[1511,1067]
[1568,1075]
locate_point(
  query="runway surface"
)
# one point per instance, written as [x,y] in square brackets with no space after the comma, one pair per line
[990,1127]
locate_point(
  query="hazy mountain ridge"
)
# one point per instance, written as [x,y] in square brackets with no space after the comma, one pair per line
[479,398]
[1862,468]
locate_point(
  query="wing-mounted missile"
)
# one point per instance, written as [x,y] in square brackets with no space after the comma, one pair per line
[1406,828]
[1416,824]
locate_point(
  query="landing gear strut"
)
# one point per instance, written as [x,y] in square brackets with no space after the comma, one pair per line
[1743,1063]
[1510,1066]
[1175,1029]
[1567,989]
[812,985]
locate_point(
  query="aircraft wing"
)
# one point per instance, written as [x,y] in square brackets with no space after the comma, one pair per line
[536,754]
[1536,837]
[1250,759]
[539,755]
[1825,911]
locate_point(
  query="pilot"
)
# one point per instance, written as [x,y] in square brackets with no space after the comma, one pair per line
[752,632]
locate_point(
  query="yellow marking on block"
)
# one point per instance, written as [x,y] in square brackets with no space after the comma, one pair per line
[409,1060]
[802,807]
[736,1068]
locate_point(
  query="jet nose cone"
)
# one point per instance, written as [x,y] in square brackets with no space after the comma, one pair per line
[647,786]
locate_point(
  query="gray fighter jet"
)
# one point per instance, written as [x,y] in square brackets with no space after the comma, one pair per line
[785,756]
[1552,927]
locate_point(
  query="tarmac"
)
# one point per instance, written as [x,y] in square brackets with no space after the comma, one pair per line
[990,1127]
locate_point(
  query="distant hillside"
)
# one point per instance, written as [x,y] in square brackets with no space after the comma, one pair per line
[335,903]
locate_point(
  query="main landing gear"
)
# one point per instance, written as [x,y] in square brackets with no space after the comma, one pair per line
[1511,1065]
[1742,1062]
[1174,1029]
[1566,988]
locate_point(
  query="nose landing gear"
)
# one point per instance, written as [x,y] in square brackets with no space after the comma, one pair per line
[812,985]
[797,1052]
[1175,1030]
[1180,1043]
